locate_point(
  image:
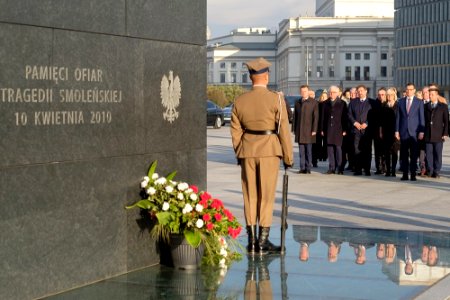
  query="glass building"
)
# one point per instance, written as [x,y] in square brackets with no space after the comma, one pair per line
[422,43]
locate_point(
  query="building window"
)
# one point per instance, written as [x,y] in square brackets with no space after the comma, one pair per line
[348,73]
[309,71]
[383,72]
[357,73]
[366,56]
[320,56]
[243,66]
[366,73]
[358,56]
[319,72]
[383,56]
[348,56]
[233,65]
[331,55]
[331,71]
[222,65]
[244,77]
[233,77]
[222,77]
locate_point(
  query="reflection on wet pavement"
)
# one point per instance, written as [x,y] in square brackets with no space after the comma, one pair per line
[321,262]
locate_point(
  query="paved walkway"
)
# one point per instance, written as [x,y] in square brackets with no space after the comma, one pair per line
[336,200]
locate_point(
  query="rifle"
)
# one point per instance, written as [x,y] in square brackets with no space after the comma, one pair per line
[284,212]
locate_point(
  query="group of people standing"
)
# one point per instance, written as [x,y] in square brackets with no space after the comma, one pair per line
[344,127]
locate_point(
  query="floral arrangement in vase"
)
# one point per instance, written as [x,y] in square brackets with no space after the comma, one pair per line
[179,208]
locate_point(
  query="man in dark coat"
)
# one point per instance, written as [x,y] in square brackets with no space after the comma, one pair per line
[363,120]
[306,119]
[436,129]
[334,128]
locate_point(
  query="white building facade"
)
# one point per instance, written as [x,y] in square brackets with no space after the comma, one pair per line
[355,8]
[322,51]
[226,56]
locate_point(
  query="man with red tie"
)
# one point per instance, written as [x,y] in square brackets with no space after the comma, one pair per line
[410,127]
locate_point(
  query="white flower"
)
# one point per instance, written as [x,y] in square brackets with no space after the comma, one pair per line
[169,189]
[222,263]
[180,196]
[173,182]
[161,181]
[155,176]
[187,208]
[146,178]
[189,190]
[165,206]
[144,184]
[199,223]
[223,272]
[199,207]
[182,186]
[193,197]
[223,252]
[151,191]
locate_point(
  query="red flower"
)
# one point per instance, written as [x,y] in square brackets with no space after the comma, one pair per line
[206,218]
[216,204]
[218,217]
[228,214]
[234,232]
[209,226]
[205,196]
[194,188]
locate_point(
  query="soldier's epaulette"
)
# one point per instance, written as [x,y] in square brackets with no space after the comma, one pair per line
[275,92]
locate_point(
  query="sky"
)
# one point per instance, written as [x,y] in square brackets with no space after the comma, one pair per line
[225,15]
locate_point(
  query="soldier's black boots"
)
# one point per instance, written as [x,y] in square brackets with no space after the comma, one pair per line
[265,246]
[252,246]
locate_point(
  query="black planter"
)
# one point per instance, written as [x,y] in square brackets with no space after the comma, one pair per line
[184,256]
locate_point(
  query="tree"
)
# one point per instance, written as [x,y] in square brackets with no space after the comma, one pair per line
[224,94]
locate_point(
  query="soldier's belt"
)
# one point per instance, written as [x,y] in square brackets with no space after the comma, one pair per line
[260,132]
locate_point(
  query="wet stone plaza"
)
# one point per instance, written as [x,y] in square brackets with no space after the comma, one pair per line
[348,238]
[320,263]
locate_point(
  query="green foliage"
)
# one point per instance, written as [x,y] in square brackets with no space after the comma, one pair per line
[223,95]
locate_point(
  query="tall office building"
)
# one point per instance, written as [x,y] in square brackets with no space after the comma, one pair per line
[422,42]
[355,8]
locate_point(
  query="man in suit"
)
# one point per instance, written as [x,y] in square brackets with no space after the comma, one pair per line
[261,136]
[363,121]
[380,163]
[334,128]
[409,128]
[436,129]
[306,119]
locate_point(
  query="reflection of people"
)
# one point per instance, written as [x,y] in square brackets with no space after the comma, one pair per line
[333,251]
[260,136]
[305,236]
[430,255]
[360,253]
[257,284]
[333,237]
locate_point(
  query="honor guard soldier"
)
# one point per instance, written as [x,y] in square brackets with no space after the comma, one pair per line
[261,137]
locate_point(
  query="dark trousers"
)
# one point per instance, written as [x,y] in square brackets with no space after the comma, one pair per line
[409,152]
[391,157]
[363,151]
[380,164]
[347,151]
[334,157]
[434,157]
[305,152]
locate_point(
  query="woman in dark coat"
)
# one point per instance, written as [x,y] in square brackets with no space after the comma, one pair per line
[391,145]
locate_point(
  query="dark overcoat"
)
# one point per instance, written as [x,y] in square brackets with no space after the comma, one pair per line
[306,120]
[436,122]
[334,121]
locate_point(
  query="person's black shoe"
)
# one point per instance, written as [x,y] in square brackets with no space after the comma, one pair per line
[367,173]
[329,172]
[357,173]
[435,175]
[302,172]
[265,246]
[315,165]
[341,172]
[413,178]
[252,247]
[387,174]
[404,177]
[393,174]
[308,171]
[378,172]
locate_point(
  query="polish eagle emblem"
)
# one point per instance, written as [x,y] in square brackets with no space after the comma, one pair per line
[170,96]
